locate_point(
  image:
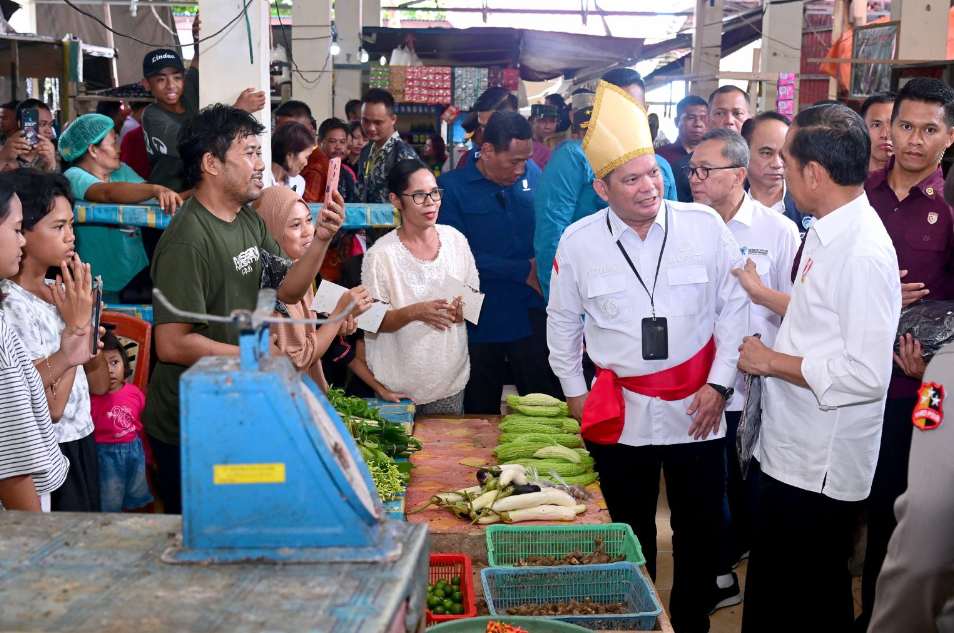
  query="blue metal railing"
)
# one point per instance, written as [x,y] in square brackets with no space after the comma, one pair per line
[357,216]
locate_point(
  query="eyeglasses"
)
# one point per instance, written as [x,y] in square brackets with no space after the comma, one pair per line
[421,196]
[703,172]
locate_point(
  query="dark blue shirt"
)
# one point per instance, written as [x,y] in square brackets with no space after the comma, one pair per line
[498,222]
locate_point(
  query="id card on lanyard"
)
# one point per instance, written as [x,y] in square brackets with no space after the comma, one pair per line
[655,330]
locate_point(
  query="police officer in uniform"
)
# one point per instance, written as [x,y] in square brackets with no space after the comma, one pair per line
[916,586]
[649,283]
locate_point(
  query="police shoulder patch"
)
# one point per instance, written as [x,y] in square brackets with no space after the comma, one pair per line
[929,411]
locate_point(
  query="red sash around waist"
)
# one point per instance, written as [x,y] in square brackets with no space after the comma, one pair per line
[604,412]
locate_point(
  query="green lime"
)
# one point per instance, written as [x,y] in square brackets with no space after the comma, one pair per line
[438,611]
[430,588]
[433,602]
[457,597]
[455,588]
[457,609]
[448,604]
[439,593]
[455,580]
[441,581]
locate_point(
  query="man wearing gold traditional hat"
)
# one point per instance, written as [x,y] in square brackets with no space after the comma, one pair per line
[662,316]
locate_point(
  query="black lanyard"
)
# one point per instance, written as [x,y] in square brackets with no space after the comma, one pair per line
[622,250]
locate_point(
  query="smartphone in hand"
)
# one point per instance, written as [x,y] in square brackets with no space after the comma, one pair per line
[334,171]
[29,123]
[96,315]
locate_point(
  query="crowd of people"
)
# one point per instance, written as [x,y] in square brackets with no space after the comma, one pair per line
[639,280]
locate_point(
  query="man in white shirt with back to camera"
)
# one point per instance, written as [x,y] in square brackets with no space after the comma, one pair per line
[649,282]
[768,240]
[826,383]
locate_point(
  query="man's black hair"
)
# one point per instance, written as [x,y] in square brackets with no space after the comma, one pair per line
[294,109]
[748,128]
[213,129]
[108,108]
[827,102]
[623,77]
[927,90]
[9,105]
[721,90]
[505,126]
[331,124]
[355,125]
[875,99]
[31,103]
[557,100]
[686,102]
[38,191]
[380,95]
[496,99]
[351,106]
[835,137]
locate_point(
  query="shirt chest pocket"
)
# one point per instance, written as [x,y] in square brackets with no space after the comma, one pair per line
[687,289]
[763,266]
[607,300]
[923,239]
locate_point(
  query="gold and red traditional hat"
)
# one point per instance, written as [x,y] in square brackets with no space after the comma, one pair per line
[618,130]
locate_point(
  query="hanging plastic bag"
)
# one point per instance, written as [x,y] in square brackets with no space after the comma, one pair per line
[400,56]
[750,424]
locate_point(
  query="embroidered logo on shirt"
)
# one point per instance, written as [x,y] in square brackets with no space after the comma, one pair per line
[526,187]
[932,217]
[611,308]
[244,260]
[602,270]
[929,413]
[685,246]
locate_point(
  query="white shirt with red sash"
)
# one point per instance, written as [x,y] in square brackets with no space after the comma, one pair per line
[594,292]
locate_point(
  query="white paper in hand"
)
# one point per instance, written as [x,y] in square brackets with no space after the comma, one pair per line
[472,300]
[328,295]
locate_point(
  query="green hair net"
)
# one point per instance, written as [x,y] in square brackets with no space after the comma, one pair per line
[87,130]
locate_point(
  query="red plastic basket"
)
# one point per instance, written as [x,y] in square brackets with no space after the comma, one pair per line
[447,566]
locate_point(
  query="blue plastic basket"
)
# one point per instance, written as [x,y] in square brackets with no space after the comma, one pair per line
[505,588]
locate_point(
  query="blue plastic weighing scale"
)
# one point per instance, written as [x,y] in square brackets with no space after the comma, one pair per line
[269,471]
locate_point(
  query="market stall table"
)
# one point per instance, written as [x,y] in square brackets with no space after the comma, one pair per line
[454,448]
[102,572]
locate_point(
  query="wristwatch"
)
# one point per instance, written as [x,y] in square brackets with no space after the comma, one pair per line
[725,392]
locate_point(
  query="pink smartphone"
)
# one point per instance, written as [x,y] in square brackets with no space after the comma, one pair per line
[334,170]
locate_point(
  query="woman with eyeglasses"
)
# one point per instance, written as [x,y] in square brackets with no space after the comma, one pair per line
[421,346]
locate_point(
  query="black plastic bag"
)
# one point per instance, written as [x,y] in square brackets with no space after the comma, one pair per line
[931,322]
[750,424]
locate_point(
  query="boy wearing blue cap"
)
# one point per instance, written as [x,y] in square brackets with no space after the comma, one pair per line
[177,100]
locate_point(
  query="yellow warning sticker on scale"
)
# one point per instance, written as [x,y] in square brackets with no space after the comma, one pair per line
[223,474]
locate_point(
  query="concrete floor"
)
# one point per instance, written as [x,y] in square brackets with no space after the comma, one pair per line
[729,619]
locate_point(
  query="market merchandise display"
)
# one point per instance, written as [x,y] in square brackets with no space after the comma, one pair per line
[381,443]
[544,439]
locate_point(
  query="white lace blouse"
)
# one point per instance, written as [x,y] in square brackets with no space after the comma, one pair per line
[418,359]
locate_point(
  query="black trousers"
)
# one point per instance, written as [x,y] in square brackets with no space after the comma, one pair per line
[695,483]
[529,363]
[80,490]
[169,466]
[737,517]
[890,482]
[799,561]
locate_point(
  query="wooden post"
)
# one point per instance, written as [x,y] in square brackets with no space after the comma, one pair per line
[755,87]
[706,46]
[781,46]
[837,29]
[238,58]
[923,30]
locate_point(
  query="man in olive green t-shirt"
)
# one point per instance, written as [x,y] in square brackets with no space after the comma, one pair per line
[209,260]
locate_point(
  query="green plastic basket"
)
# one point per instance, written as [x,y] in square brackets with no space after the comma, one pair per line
[507,544]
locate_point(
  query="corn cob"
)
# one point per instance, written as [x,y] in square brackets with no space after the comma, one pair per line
[557,452]
[534,400]
[563,439]
[551,411]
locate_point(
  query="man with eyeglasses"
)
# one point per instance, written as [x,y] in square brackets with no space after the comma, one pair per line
[768,241]
[490,201]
